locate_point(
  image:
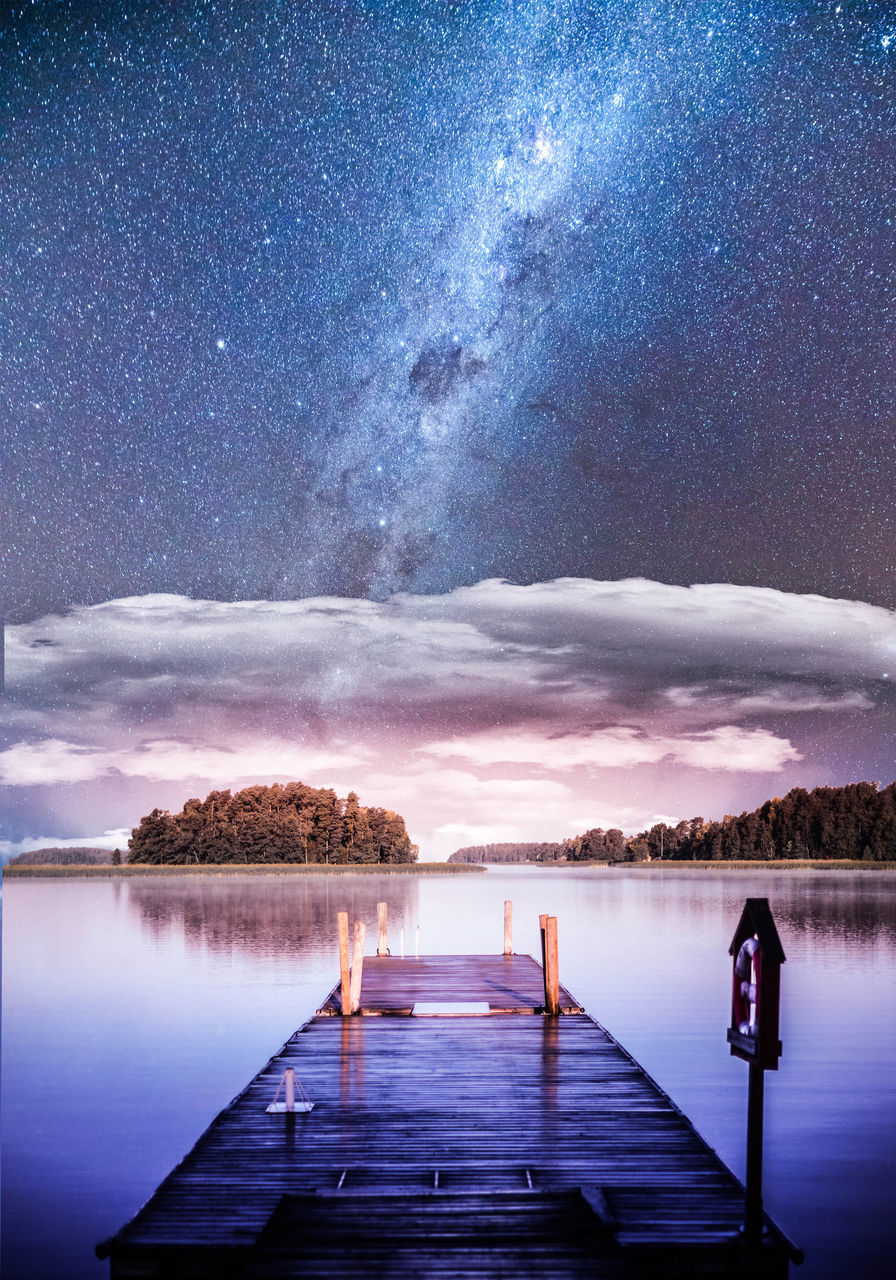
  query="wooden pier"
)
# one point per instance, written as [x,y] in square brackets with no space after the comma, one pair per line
[458,1130]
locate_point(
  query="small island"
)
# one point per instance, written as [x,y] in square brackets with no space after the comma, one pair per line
[294,823]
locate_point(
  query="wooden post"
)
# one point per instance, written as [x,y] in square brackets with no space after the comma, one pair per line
[508,928]
[753,1216]
[381,947]
[551,967]
[357,966]
[290,1078]
[345,989]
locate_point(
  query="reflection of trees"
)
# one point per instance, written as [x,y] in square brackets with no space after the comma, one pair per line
[823,905]
[296,916]
[275,916]
[836,907]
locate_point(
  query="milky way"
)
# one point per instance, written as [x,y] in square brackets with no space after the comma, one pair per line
[350,297]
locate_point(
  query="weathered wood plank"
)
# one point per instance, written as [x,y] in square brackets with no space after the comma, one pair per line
[508,983]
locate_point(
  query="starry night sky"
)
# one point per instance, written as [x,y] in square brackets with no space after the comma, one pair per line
[349,297]
[369,296]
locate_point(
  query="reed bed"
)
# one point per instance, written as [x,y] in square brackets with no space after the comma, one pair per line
[776,864]
[239,869]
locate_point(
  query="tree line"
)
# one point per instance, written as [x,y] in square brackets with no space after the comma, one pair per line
[509,852]
[279,823]
[857,821]
[53,856]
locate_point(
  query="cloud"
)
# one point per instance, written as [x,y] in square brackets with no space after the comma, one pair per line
[42,763]
[571,637]
[622,698]
[728,747]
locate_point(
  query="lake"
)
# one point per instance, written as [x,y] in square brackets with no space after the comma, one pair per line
[134,1010]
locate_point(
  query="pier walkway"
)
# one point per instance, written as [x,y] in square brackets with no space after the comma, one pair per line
[457,1131]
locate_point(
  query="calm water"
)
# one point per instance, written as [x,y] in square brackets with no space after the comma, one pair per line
[134,1011]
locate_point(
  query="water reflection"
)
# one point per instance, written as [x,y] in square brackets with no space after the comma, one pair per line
[859,907]
[273,917]
[174,993]
[351,1063]
[547,1113]
[284,917]
[856,912]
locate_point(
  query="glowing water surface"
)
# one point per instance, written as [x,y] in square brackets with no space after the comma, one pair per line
[133,1011]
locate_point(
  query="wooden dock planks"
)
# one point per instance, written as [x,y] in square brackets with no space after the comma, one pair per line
[462,1146]
[510,984]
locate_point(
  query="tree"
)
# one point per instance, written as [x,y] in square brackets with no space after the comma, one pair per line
[271,824]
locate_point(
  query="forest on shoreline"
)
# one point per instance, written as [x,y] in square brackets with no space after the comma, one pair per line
[290,823]
[304,827]
[855,823]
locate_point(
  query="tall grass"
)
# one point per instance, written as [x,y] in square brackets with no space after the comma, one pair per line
[241,869]
[776,864]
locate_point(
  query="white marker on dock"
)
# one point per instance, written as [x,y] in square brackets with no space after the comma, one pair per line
[288,1082]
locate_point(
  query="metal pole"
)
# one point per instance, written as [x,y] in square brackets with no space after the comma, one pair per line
[753,1216]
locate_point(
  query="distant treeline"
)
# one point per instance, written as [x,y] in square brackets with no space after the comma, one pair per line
[291,823]
[594,846]
[857,822]
[508,853]
[88,856]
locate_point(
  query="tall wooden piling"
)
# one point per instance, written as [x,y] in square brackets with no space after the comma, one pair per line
[357,966]
[382,948]
[344,978]
[508,928]
[551,967]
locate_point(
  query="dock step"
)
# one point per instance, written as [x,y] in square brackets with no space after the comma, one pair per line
[530,1234]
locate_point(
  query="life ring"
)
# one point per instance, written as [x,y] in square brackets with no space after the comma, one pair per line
[746,978]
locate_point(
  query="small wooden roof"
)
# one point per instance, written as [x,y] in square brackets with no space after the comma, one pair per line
[757,919]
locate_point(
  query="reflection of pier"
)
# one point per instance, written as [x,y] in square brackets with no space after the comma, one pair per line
[501,1142]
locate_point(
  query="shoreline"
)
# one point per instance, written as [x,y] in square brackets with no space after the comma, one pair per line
[51,871]
[102,870]
[732,864]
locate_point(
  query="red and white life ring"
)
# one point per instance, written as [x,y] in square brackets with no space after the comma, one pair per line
[746,981]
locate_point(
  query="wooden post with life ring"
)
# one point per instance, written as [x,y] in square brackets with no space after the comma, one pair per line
[753,1036]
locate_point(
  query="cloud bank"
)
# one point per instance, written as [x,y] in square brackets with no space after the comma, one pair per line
[523,711]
